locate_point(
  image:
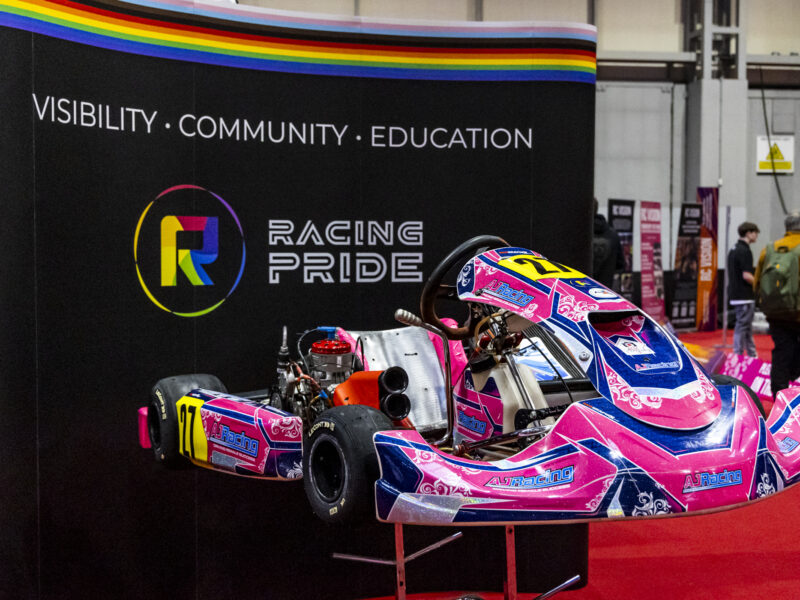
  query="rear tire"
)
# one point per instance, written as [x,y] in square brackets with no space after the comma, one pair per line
[340,466]
[162,414]
[720,379]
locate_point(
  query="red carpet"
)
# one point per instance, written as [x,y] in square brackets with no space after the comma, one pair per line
[712,339]
[750,553]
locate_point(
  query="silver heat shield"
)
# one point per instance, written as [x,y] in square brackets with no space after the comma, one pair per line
[412,349]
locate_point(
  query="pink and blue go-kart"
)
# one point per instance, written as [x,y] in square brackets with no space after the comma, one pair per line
[553,399]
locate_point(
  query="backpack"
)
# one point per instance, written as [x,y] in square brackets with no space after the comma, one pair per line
[778,293]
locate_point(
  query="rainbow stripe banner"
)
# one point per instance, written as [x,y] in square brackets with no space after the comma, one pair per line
[251,38]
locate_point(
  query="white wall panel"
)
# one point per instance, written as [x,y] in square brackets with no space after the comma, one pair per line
[763,205]
[645,26]
[437,10]
[634,136]
[330,7]
[535,10]
[773,26]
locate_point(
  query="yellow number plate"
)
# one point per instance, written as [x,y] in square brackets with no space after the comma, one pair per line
[534,267]
[193,442]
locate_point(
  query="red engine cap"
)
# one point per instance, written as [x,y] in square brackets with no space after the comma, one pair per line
[330,347]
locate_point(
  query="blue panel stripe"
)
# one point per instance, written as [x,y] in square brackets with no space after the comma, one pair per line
[716,436]
[775,427]
[278,445]
[230,413]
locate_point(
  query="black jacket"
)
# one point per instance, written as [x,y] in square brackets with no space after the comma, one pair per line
[606,252]
[740,260]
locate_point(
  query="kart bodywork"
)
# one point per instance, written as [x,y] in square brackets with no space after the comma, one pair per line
[657,438]
[557,400]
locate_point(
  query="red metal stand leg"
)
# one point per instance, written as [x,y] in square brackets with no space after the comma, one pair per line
[400,562]
[511,564]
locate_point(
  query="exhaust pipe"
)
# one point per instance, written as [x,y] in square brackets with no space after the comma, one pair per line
[393,402]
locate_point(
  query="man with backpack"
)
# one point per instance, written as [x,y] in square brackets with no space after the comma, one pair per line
[777,288]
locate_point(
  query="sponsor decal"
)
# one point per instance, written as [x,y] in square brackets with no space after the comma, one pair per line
[502,290]
[511,251]
[633,347]
[602,294]
[673,364]
[787,444]
[317,425]
[550,478]
[699,482]
[236,440]
[471,423]
[162,405]
[188,250]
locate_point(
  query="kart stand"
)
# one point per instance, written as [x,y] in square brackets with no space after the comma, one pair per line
[400,560]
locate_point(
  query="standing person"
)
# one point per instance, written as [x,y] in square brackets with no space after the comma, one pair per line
[776,284]
[740,289]
[607,256]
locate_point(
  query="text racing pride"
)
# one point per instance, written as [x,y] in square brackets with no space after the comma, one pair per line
[345,251]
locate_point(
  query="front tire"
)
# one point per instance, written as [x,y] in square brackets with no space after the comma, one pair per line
[721,379]
[340,466]
[162,414]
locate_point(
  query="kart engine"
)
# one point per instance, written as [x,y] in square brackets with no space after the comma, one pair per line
[308,390]
[330,361]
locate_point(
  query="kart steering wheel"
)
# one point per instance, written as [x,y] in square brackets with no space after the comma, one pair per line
[435,290]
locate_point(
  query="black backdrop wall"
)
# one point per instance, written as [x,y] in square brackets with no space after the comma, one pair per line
[88,327]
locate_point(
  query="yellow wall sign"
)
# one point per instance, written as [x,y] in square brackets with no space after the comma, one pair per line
[777,150]
[535,267]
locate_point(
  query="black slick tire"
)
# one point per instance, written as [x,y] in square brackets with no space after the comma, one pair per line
[340,465]
[162,414]
[720,379]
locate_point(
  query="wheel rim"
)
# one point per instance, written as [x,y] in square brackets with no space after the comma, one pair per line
[328,472]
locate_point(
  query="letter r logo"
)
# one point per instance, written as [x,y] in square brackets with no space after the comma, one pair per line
[190,261]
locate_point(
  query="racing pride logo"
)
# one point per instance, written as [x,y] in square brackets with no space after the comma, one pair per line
[190,261]
[189,250]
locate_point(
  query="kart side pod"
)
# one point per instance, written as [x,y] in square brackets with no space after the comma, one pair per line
[383,390]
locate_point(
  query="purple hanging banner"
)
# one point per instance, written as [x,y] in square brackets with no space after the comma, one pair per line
[652,270]
[707,268]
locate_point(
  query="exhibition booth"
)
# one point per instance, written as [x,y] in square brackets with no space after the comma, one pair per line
[204,188]
[333,162]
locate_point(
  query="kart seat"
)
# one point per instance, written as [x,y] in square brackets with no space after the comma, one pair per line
[412,349]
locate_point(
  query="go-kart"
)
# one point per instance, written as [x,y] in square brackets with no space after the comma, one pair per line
[551,398]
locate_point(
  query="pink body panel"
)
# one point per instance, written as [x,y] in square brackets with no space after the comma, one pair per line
[587,475]
[250,438]
[458,358]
